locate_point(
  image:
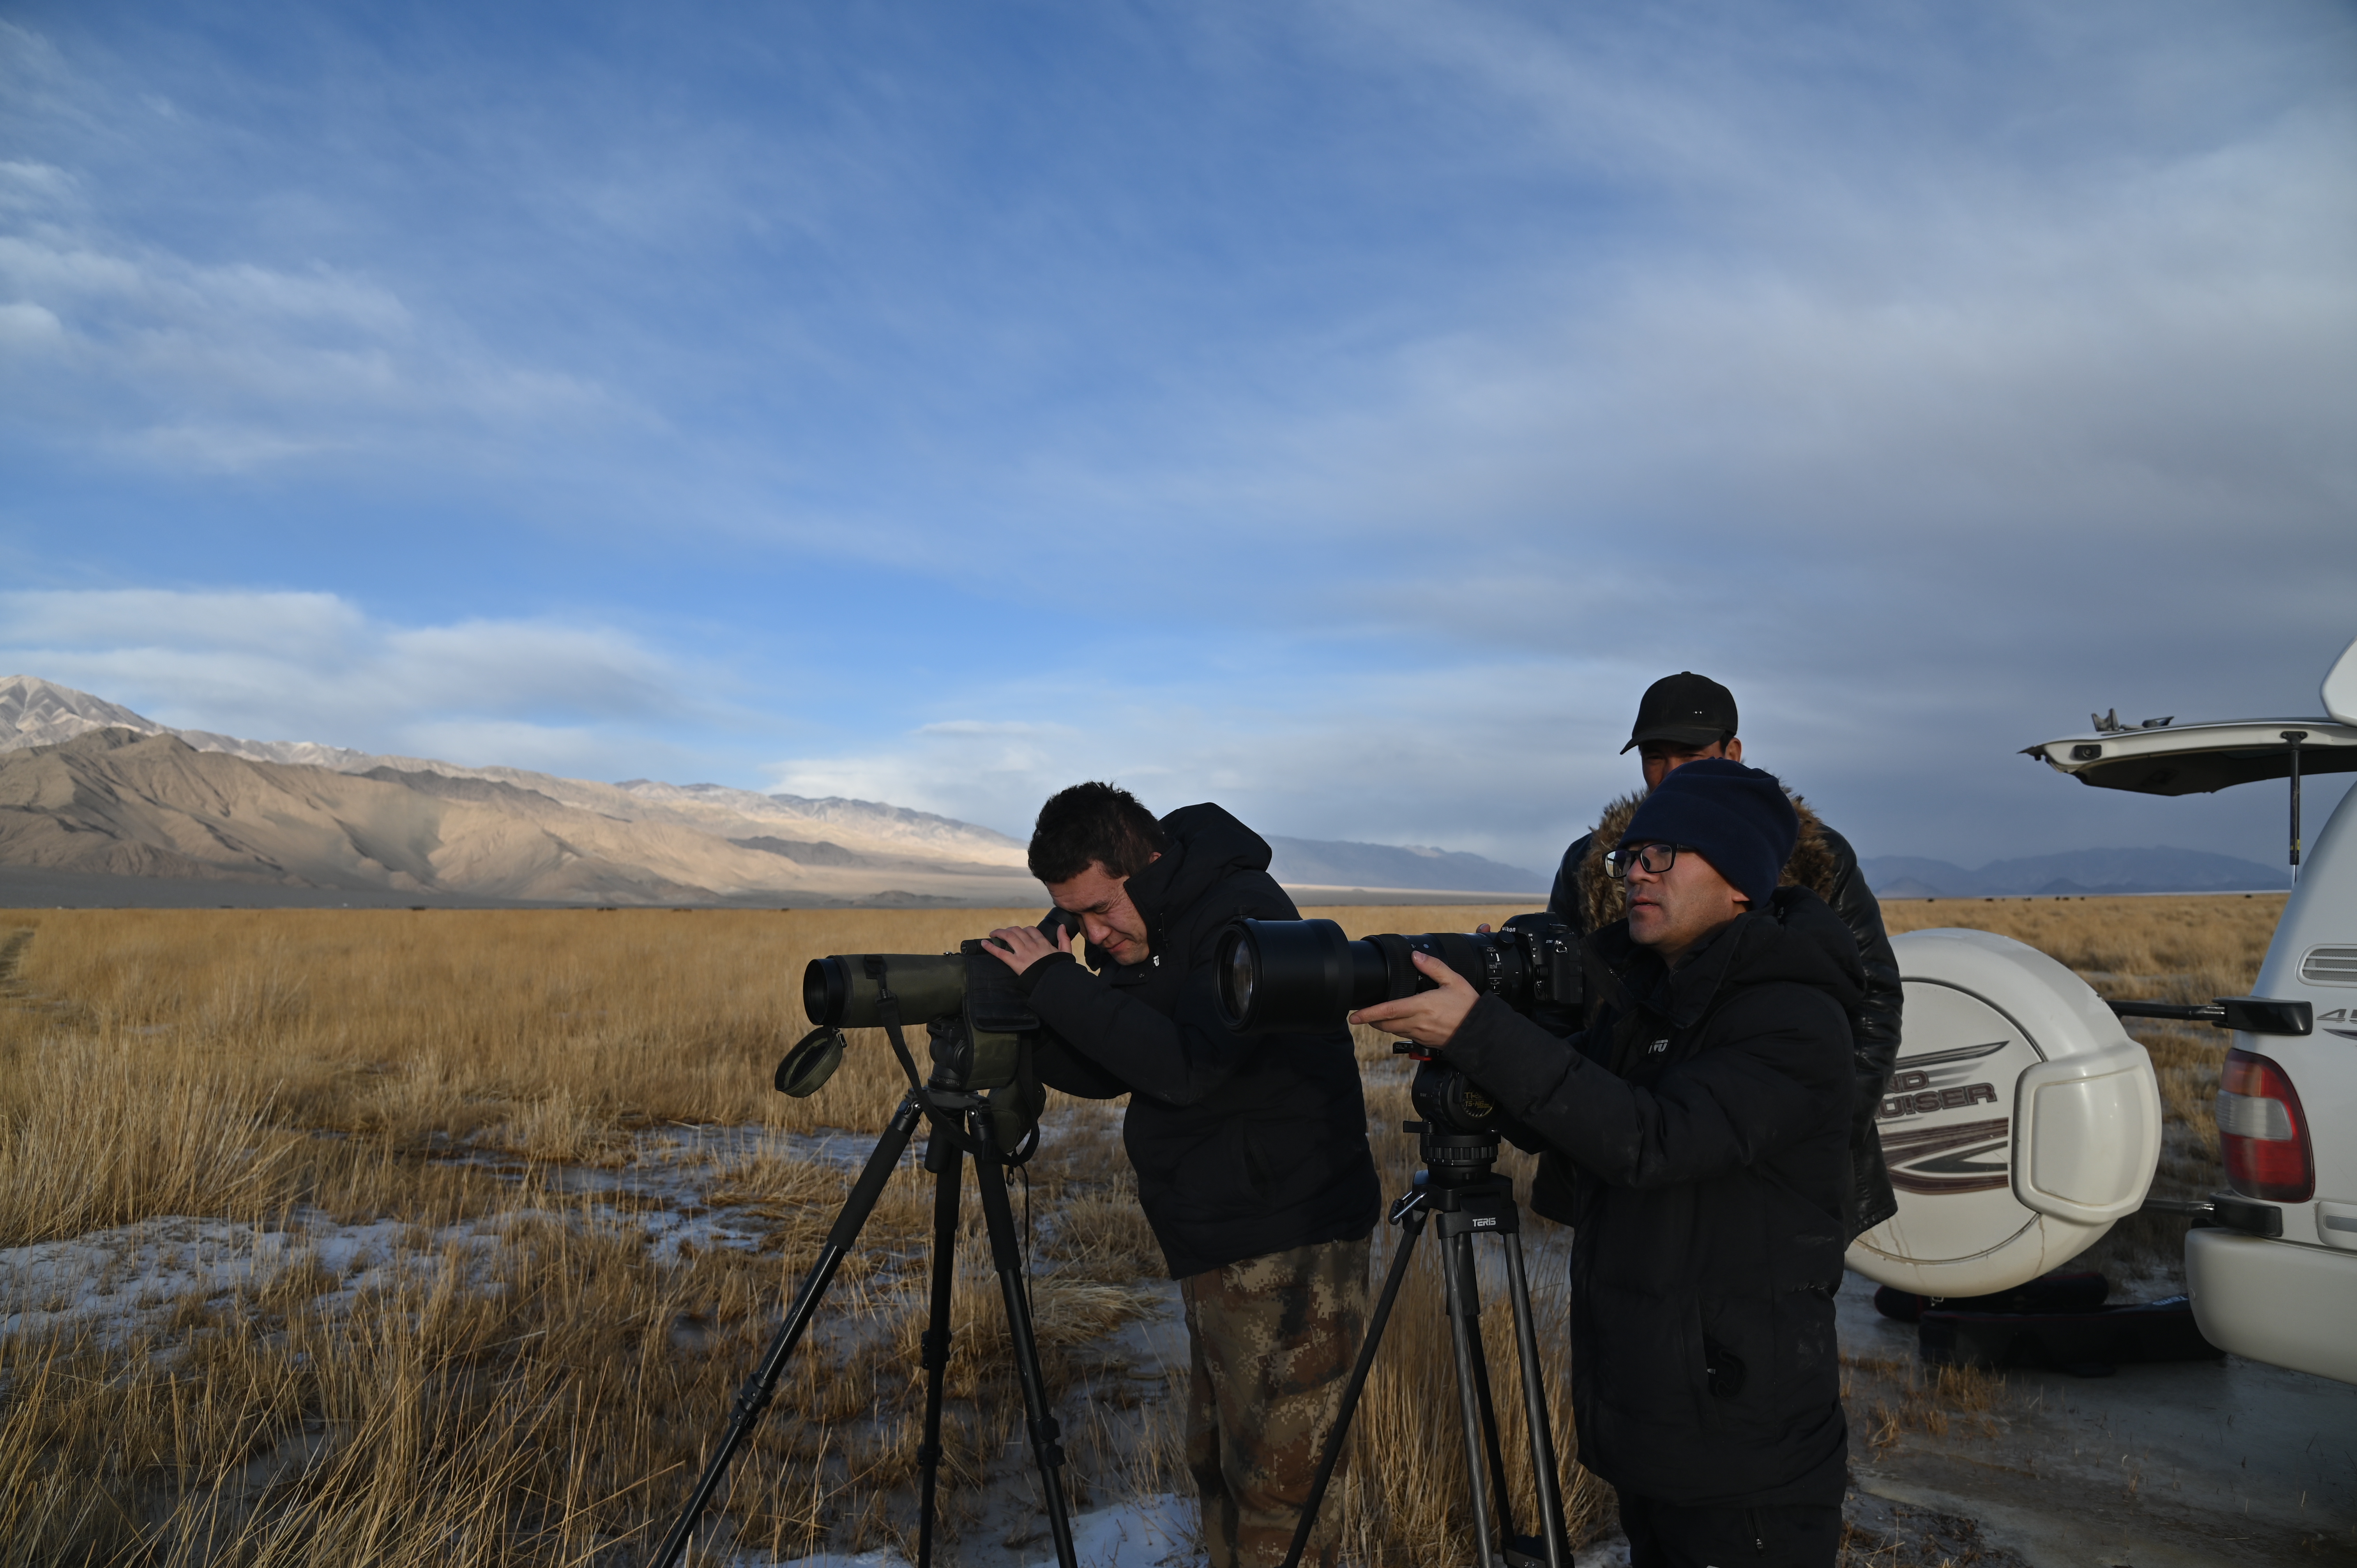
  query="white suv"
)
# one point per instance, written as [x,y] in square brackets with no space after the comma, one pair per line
[2275,1279]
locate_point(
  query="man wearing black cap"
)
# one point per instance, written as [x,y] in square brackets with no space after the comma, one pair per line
[1704,1115]
[1685,718]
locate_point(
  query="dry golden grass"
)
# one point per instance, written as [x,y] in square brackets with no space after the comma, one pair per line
[518,1379]
[2185,948]
[1888,1398]
[546,1398]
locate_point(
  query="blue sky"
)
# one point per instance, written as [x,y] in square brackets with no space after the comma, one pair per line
[1339,411]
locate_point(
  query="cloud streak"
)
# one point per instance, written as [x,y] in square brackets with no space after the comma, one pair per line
[151,356]
[311,666]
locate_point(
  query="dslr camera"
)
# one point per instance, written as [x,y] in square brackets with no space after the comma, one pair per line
[1293,975]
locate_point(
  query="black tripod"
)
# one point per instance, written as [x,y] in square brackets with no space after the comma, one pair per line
[1460,1187]
[964,1125]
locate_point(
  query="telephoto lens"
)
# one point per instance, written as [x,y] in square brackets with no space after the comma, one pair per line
[1301,974]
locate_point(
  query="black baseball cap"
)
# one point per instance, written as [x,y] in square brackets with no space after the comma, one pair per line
[1685,708]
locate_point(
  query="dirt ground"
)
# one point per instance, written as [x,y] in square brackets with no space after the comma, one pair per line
[2161,1465]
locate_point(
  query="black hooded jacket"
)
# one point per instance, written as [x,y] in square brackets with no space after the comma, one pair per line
[1706,1111]
[1822,860]
[1243,1145]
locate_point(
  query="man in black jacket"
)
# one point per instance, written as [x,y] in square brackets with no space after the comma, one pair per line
[1706,1111]
[1688,717]
[1251,1151]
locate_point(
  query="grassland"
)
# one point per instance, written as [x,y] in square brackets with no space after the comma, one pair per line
[414,1237]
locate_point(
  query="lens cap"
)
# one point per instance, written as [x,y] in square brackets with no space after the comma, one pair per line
[806,1068]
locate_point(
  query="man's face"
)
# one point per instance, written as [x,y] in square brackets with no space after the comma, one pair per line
[1673,911]
[1660,758]
[1107,918]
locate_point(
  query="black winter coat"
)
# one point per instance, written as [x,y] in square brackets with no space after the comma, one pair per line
[1706,1113]
[1243,1145]
[1823,861]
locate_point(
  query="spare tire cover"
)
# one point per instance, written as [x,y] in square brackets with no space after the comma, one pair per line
[2020,1123]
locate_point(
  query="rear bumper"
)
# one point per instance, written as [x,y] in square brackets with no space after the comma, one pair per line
[2278,1302]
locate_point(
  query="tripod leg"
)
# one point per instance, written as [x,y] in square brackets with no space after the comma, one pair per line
[1487,1403]
[1526,1348]
[1464,1331]
[762,1385]
[990,1180]
[1410,1227]
[947,1163]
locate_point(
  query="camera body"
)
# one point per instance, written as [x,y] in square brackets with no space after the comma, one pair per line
[1280,974]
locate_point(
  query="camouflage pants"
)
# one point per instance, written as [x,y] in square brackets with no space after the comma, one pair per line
[1272,1340]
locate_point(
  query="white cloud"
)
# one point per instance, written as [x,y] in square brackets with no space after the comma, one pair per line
[26,186]
[2033,350]
[238,365]
[319,624]
[990,727]
[1497,757]
[26,327]
[308,666]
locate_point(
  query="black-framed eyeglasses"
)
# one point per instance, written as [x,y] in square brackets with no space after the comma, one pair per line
[1656,858]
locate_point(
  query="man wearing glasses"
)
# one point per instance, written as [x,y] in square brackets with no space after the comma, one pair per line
[1704,1114]
[1686,718]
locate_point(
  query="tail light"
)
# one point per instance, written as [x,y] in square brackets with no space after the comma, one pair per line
[2263,1132]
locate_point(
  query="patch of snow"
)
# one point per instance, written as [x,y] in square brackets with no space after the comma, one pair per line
[1153,1533]
[115,1282]
[669,1173]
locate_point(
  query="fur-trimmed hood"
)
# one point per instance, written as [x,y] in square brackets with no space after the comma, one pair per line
[1603,900]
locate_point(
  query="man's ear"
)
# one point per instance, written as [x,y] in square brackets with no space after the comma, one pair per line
[1734,748]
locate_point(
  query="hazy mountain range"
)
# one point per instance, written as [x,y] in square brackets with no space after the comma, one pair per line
[2154,870]
[1333,864]
[91,790]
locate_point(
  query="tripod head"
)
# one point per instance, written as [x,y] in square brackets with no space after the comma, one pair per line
[1458,1138]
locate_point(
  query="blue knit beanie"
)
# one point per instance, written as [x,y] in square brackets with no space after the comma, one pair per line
[1737,817]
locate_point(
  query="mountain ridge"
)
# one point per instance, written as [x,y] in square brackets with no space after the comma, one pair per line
[1335,863]
[2083,872]
[36,712]
[90,788]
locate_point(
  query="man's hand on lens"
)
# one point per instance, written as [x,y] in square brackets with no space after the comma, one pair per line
[1021,947]
[1430,1018]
